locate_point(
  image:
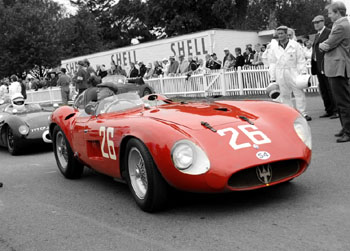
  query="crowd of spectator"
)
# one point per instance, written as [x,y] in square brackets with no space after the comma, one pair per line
[175,66]
[167,67]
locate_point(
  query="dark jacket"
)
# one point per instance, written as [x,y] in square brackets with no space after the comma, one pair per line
[318,65]
[134,73]
[102,74]
[213,65]
[23,90]
[239,61]
[192,66]
[143,70]
[248,58]
[81,78]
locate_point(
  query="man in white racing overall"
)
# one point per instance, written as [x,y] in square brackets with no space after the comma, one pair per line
[287,61]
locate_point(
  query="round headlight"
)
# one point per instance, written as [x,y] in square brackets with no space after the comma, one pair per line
[23,129]
[183,156]
[189,158]
[302,129]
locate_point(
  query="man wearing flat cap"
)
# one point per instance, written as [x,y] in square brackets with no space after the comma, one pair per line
[317,67]
[286,63]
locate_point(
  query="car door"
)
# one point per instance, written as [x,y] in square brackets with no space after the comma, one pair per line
[78,136]
[102,144]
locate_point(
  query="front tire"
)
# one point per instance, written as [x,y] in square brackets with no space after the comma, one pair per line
[147,186]
[69,166]
[12,144]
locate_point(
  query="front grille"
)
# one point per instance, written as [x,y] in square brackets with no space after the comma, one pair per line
[249,177]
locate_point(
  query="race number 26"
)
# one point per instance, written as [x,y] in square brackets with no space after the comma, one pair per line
[257,137]
[107,135]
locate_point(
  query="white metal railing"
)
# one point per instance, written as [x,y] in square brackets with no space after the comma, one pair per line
[49,95]
[243,81]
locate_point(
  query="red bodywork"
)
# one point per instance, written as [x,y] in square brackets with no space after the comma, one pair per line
[159,128]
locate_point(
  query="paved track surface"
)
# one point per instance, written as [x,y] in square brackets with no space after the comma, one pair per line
[40,210]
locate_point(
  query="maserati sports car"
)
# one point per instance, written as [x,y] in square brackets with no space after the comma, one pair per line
[154,143]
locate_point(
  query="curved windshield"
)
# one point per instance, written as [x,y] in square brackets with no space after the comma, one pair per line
[120,103]
[28,109]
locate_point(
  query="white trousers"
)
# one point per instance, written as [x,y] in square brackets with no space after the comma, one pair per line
[286,78]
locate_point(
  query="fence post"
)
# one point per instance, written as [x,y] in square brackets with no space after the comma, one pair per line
[161,84]
[222,82]
[240,80]
[205,84]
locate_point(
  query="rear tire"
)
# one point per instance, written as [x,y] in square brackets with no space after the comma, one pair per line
[69,166]
[12,144]
[147,185]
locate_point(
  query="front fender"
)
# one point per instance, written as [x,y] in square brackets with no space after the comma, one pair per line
[63,117]
[14,123]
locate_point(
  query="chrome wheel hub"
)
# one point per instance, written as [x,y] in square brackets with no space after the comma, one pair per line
[137,173]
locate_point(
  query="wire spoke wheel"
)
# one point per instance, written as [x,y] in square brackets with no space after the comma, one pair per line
[10,139]
[137,172]
[68,165]
[61,150]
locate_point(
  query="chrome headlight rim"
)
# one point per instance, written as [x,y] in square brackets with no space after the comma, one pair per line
[197,164]
[23,130]
[182,148]
[302,129]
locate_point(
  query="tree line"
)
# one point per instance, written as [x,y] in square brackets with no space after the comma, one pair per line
[38,34]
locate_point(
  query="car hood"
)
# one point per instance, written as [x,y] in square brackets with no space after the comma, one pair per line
[191,115]
[36,119]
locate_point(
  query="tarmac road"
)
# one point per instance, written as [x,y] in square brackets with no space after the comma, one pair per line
[40,210]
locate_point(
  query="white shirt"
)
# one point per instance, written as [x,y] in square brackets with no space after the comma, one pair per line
[15,87]
[3,91]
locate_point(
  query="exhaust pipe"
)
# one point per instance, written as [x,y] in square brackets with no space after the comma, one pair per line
[46,137]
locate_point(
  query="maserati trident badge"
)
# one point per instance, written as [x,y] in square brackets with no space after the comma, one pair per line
[264,173]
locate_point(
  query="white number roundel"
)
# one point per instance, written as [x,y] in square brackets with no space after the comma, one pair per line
[263,155]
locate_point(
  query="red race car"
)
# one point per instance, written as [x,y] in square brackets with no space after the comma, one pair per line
[210,146]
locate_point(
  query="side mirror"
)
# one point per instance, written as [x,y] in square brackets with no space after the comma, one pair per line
[90,109]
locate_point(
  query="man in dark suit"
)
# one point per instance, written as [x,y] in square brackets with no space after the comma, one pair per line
[317,68]
[337,65]
[134,73]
